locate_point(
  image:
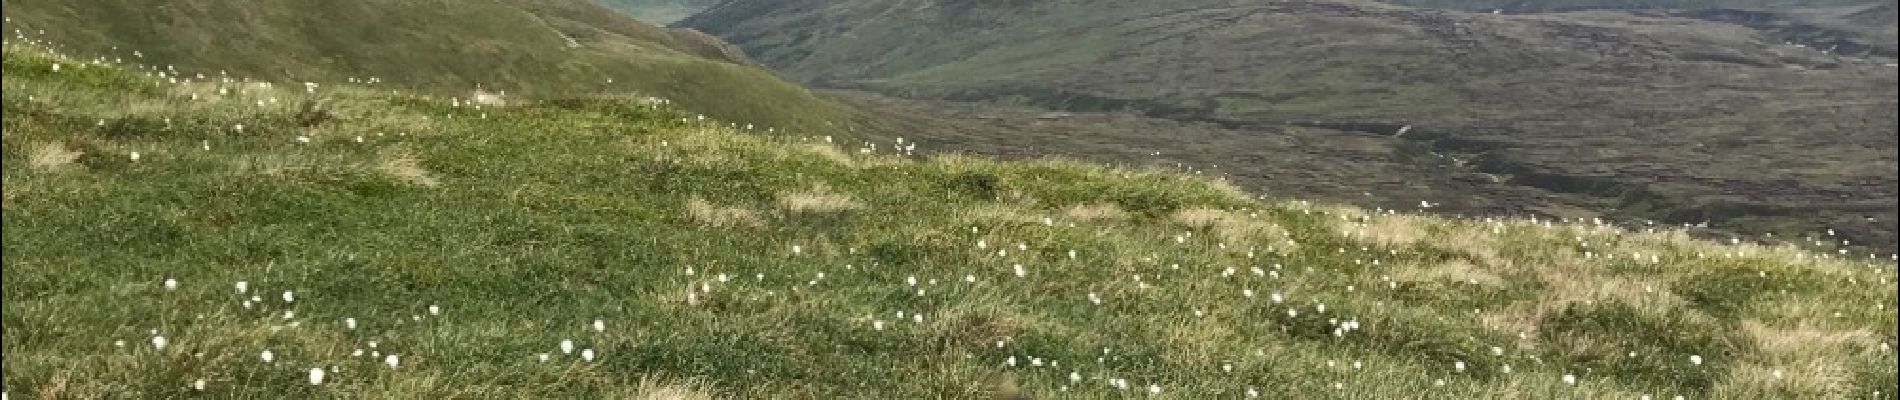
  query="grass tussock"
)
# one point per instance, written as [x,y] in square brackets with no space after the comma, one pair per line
[52,155]
[817,200]
[711,215]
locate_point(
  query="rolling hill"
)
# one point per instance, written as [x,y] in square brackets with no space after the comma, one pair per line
[184,238]
[1634,116]
[527,48]
[659,12]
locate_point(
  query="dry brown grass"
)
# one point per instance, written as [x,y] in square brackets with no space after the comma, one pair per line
[1233,227]
[1570,282]
[817,200]
[1449,271]
[404,165]
[651,388]
[1094,212]
[1386,230]
[52,155]
[1000,213]
[1812,378]
[712,215]
[1807,338]
[829,153]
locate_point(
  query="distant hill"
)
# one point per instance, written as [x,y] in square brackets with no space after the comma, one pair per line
[1560,5]
[528,48]
[659,12]
[1642,116]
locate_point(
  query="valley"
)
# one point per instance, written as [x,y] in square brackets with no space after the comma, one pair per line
[1635,116]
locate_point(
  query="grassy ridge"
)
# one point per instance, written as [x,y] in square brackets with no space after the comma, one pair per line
[721,263]
[527,48]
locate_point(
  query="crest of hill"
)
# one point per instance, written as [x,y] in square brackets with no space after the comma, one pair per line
[527,48]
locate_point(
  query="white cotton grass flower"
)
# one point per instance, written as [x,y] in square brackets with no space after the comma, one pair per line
[349,323]
[587,354]
[1570,379]
[316,376]
[289,296]
[600,325]
[1154,389]
[267,356]
[198,385]
[392,360]
[435,310]
[1019,271]
[242,287]
[134,156]
[543,357]
[1458,366]
[159,342]
[567,346]
[170,284]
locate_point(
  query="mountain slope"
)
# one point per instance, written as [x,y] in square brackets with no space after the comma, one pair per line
[659,12]
[409,248]
[529,48]
[1637,116]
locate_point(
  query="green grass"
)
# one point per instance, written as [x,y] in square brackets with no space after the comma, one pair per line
[700,250]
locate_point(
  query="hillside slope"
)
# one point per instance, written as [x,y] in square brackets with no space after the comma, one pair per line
[659,12]
[527,48]
[1653,117]
[184,239]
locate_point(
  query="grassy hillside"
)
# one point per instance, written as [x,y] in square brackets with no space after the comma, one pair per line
[528,48]
[660,12]
[1636,117]
[160,238]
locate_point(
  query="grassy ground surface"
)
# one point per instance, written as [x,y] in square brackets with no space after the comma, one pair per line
[161,238]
